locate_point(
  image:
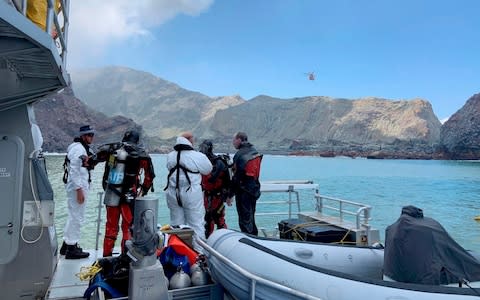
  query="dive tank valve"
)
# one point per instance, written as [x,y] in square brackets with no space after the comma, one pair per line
[115,177]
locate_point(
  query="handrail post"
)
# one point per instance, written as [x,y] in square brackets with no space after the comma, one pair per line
[99,218]
[298,201]
[50,6]
[341,209]
[290,190]
[367,214]
[66,18]
[24,7]
[319,202]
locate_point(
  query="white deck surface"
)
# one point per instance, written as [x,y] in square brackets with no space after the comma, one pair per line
[65,283]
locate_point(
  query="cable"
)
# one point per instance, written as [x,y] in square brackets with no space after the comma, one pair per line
[37,203]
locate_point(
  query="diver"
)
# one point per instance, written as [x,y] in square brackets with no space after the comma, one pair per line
[127,164]
[216,188]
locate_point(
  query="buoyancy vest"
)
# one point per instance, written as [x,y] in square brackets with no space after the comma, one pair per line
[179,148]
[219,180]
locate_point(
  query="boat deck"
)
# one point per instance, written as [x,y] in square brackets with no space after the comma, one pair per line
[65,283]
[350,216]
[363,236]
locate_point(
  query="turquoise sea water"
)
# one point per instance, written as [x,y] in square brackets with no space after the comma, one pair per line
[448,191]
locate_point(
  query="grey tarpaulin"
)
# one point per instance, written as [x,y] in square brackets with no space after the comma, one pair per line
[419,250]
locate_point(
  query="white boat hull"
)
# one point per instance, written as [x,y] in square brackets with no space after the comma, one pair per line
[330,279]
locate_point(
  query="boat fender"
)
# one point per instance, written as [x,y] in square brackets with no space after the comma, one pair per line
[180,279]
[98,281]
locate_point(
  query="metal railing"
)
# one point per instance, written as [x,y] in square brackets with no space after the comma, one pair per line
[321,204]
[99,218]
[52,21]
[362,214]
[291,187]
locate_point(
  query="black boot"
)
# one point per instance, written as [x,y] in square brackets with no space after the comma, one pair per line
[63,249]
[75,252]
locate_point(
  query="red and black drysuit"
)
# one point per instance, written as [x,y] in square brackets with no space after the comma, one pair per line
[216,188]
[138,165]
[246,185]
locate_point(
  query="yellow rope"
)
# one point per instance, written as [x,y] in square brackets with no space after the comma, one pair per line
[295,228]
[87,273]
[342,241]
[295,231]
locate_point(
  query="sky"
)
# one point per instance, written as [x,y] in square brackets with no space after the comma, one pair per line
[398,50]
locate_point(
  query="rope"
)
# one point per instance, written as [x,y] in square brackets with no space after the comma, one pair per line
[87,273]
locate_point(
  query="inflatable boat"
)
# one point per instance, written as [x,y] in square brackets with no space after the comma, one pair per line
[436,267]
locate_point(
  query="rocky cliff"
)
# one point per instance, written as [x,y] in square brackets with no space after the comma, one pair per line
[163,108]
[60,116]
[317,125]
[326,126]
[310,125]
[460,135]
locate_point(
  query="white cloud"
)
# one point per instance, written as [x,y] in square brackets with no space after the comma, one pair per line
[97,25]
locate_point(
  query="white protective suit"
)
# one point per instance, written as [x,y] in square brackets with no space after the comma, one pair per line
[77,178]
[192,212]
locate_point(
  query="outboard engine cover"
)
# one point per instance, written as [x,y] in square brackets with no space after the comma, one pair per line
[419,250]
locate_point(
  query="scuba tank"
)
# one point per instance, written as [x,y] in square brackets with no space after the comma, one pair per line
[180,279]
[199,271]
[200,260]
[115,177]
[200,276]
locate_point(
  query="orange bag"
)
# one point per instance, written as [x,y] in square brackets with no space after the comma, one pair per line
[181,248]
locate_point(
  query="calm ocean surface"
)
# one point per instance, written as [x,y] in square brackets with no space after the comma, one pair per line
[448,191]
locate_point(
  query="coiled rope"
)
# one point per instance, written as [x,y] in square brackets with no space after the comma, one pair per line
[87,273]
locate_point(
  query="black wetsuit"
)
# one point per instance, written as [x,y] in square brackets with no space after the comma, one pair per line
[246,188]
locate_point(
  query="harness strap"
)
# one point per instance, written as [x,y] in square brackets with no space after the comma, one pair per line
[185,170]
[65,169]
[177,187]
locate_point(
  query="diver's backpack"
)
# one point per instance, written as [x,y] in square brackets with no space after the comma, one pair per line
[225,157]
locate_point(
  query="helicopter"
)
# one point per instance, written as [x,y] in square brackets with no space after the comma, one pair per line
[311,75]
